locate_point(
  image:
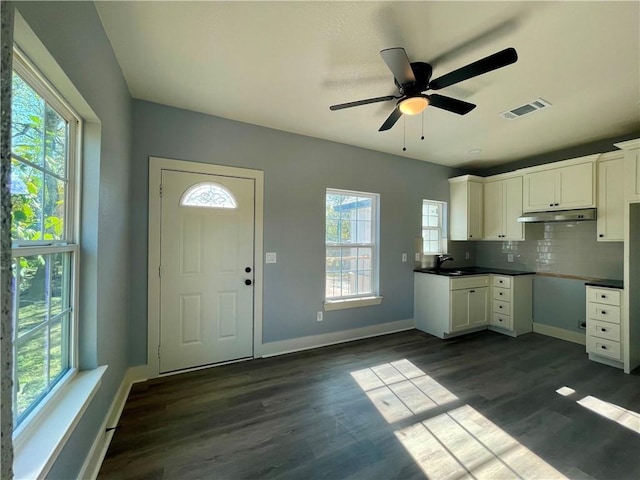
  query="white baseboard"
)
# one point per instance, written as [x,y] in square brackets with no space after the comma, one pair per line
[561,333]
[314,341]
[93,462]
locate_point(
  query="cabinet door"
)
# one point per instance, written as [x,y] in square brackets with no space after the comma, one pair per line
[478,301]
[633,175]
[493,210]
[539,190]
[611,200]
[475,210]
[576,186]
[459,310]
[512,207]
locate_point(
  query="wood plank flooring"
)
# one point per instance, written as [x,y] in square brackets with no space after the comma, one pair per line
[404,406]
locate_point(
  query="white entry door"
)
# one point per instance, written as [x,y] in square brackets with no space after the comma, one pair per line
[206,273]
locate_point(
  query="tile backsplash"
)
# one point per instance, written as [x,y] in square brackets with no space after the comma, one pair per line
[566,248]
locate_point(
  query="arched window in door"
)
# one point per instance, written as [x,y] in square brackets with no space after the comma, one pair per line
[208,195]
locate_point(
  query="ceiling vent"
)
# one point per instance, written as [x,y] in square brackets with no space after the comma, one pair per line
[521,111]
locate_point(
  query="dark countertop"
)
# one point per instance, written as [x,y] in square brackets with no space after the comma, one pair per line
[466,271]
[605,283]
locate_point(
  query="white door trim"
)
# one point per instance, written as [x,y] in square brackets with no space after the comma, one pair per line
[156,165]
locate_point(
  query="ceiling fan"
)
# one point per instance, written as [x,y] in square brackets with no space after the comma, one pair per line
[414,78]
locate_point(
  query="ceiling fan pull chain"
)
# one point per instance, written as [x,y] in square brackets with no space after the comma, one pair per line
[422,136]
[404,133]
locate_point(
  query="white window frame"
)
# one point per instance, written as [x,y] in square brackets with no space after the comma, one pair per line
[441,228]
[69,244]
[364,299]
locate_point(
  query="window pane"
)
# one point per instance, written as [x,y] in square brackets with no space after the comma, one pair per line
[363,232]
[364,259]
[347,231]
[54,206]
[26,196]
[60,282]
[32,283]
[333,203]
[333,285]
[27,122]
[55,142]
[333,231]
[364,208]
[348,207]
[31,367]
[333,259]
[58,357]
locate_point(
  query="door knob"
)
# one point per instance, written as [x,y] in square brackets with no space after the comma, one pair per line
[247,282]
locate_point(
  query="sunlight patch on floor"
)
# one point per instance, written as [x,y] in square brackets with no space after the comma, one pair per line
[565,391]
[459,443]
[626,418]
[400,390]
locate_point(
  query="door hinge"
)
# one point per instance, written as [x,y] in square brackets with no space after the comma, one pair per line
[159,270]
[158,351]
[160,189]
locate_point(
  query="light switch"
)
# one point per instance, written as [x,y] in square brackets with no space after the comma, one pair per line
[404,257]
[270,257]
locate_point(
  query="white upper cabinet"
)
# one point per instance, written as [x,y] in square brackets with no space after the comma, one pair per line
[560,186]
[632,169]
[611,197]
[466,217]
[502,207]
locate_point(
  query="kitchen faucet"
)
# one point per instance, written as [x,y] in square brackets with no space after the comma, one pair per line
[440,259]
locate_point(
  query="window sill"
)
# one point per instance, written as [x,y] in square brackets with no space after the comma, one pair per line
[351,303]
[39,442]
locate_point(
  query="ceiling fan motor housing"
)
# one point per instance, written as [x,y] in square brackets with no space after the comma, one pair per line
[422,72]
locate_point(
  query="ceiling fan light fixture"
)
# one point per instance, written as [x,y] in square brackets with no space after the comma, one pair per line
[413,105]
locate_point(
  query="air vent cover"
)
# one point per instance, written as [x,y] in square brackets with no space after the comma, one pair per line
[525,109]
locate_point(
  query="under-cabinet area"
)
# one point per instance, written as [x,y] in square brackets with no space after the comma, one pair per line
[449,303]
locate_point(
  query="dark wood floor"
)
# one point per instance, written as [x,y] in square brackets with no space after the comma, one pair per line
[403,406]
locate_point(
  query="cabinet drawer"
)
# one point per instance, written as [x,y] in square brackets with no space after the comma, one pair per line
[606,330]
[604,348]
[501,294]
[500,320]
[602,295]
[501,281]
[469,282]
[608,313]
[501,307]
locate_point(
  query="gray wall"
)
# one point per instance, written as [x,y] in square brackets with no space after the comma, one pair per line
[73,34]
[297,170]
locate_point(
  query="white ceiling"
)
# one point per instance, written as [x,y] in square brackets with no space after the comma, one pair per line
[282,64]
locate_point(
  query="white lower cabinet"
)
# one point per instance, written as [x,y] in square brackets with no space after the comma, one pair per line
[449,306]
[445,306]
[604,334]
[511,304]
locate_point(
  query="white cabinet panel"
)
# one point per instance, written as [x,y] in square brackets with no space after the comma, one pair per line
[502,207]
[560,187]
[465,219]
[611,198]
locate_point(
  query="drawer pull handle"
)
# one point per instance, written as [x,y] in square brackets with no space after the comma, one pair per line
[499,319]
[603,347]
[603,296]
[604,312]
[472,291]
[603,329]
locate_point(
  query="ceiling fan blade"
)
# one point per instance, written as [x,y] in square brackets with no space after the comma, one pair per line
[391,120]
[487,64]
[361,102]
[398,62]
[450,104]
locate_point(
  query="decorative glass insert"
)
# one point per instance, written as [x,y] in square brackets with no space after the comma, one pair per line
[208,195]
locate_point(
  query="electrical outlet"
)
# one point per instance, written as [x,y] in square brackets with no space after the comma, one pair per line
[271,257]
[466,255]
[319,316]
[404,257]
[417,257]
[510,257]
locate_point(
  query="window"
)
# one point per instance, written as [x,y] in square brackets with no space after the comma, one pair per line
[351,232]
[434,233]
[208,195]
[44,133]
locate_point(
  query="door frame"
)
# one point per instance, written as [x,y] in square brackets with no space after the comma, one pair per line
[156,165]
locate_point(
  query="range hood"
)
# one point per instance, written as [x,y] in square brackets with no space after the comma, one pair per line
[559,216]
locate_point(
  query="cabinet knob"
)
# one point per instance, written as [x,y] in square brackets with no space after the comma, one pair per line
[551,204]
[603,329]
[604,312]
[499,306]
[601,235]
[470,236]
[603,347]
